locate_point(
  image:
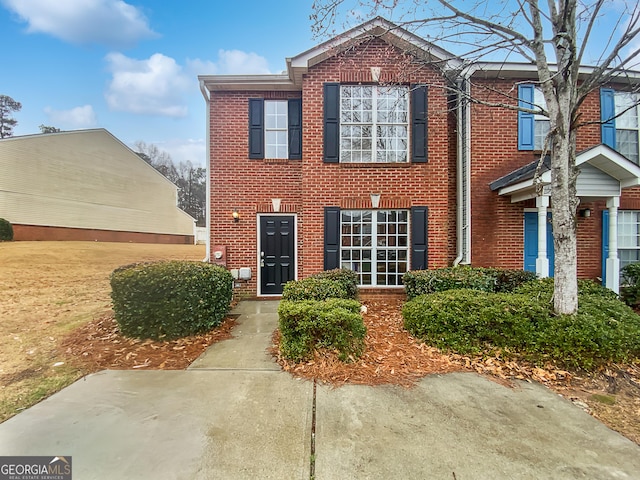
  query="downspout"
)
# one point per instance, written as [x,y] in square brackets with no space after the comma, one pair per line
[463,190]
[207,100]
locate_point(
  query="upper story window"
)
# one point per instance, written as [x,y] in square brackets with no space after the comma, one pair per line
[541,123]
[374,123]
[626,109]
[275,128]
[619,115]
[533,128]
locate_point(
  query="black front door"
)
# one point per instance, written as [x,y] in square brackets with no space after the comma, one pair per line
[277,253]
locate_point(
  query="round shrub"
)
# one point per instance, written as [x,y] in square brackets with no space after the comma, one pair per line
[347,278]
[6,230]
[168,300]
[312,288]
[306,325]
[630,285]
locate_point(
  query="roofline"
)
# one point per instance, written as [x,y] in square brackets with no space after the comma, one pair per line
[530,70]
[249,82]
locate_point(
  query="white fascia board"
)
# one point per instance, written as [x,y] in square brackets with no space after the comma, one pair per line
[248,82]
[612,163]
[544,179]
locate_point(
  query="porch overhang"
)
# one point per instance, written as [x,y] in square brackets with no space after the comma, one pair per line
[534,179]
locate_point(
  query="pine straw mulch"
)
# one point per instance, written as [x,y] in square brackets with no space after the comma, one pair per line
[98,345]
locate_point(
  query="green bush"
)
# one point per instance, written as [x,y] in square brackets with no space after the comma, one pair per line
[543,288]
[473,322]
[508,280]
[312,288]
[168,300]
[630,288]
[419,282]
[6,230]
[348,279]
[307,325]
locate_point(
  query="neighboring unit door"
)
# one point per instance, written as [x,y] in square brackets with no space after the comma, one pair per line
[531,242]
[277,253]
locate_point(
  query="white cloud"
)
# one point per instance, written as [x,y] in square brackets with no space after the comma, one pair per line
[110,22]
[155,86]
[231,62]
[78,117]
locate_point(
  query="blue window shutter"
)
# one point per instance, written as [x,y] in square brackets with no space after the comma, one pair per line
[294,116]
[607,116]
[526,121]
[331,122]
[419,123]
[256,128]
[605,244]
[331,238]
[419,238]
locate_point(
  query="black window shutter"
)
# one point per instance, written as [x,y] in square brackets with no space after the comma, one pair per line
[419,238]
[256,128]
[331,237]
[295,128]
[331,122]
[419,123]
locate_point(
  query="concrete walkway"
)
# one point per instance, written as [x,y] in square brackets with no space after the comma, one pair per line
[234,415]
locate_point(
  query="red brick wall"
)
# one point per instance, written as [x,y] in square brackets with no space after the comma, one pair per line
[307,186]
[42,233]
[497,229]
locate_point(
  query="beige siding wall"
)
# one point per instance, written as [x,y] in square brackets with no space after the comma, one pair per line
[85,179]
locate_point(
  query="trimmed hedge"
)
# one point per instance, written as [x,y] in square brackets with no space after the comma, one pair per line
[168,300]
[472,322]
[420,282]
[6,230]
[313,289]
[348,279]
[307,325]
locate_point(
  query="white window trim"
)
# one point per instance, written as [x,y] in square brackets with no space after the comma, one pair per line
[374,124]
[285,129]
[374,248]
[636,129]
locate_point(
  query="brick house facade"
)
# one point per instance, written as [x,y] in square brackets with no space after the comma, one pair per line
[362,156]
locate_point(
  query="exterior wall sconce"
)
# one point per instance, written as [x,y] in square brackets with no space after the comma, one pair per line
[585,212]
[375,200]
[235,215]
[275,202]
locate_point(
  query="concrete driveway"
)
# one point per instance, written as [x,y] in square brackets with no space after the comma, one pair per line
[234,415]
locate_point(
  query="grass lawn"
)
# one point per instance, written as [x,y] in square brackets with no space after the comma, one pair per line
[47,290]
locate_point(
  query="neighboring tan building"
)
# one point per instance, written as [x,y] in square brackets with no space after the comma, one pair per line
[363,156]
[87,185]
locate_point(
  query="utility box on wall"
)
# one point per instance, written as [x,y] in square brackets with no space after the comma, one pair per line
[219,255]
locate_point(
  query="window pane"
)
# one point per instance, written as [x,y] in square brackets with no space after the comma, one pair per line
[374,123]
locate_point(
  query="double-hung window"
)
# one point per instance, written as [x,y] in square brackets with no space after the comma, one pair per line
[275,128]
[375,245]
[533,128]
[619,112]
[628,237]
[374,124]
[626,109]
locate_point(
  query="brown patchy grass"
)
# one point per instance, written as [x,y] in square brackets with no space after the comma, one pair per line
[47,291]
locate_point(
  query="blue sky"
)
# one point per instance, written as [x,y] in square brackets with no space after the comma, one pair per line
[131,67]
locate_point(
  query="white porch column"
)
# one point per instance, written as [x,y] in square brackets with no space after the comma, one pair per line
[613,262]
[542,261]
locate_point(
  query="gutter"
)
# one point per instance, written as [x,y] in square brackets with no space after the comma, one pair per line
[207,100]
